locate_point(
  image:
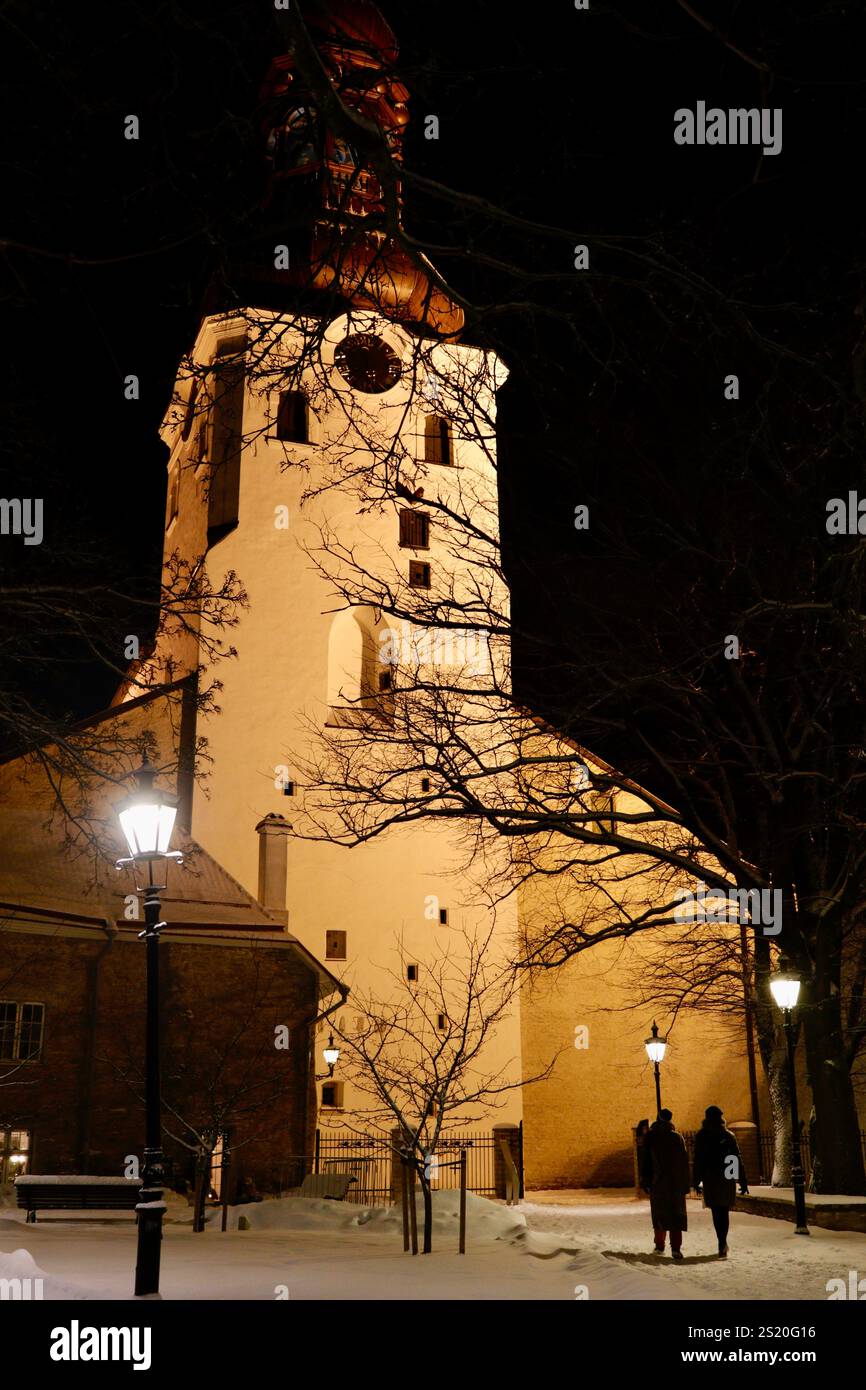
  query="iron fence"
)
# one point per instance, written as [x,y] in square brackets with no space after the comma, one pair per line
[366,1157]
[768,1155]
[480,1156]
[369,1159]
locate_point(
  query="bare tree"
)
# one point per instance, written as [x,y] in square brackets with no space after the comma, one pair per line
[419,1055]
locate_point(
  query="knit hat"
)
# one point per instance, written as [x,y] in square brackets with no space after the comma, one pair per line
[713,1112]
[665,1115]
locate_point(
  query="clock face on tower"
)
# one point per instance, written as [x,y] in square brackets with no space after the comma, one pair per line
[367,363]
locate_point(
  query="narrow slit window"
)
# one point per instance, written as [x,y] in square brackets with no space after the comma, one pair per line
[190,410]
[443,917]
[412,974]
[173,495]
[437,440]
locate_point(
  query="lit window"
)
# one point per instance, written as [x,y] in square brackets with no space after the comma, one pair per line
[414,529]
[437,440]
[15,1146]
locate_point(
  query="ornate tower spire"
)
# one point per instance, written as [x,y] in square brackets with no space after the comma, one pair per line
[325,198]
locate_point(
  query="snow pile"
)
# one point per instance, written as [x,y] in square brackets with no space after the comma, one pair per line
[20,1264]
[485,1220]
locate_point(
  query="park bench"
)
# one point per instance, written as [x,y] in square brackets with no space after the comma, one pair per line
[333,1186]
[70,1192]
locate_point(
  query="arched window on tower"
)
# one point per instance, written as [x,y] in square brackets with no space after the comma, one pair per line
[293,419]
[359,682]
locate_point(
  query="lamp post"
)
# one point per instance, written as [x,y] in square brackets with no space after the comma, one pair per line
[147,820]
[655,1050]
[785,989]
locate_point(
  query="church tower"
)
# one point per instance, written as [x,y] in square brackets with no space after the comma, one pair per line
[343,372]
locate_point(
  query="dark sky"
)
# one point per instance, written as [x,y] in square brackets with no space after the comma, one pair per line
[562,116]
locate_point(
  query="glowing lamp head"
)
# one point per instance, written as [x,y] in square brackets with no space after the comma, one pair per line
[785,989]
[331,1055]
[655,1046]
[147,817]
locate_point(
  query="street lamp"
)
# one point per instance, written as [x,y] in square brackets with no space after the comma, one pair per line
[147,820]
[331,1054]
[785,988]
[655,1050]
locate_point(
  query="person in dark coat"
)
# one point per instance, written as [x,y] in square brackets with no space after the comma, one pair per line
[666,1179]
[718,1169]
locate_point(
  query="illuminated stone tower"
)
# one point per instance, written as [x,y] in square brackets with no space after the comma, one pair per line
[322,367]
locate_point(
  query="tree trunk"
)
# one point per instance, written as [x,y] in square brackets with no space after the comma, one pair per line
[774,1059]
[780,1105]
[837,1159]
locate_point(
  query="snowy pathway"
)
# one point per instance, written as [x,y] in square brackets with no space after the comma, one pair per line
[553,1247]
[767,1259]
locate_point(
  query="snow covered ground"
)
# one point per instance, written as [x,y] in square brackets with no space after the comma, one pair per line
[554,1246]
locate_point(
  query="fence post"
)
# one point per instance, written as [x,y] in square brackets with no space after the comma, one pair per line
[462,1201]
[521,1192]
[502,1179]
[318,1151]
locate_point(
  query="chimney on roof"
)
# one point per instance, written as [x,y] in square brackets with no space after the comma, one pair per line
[272,832]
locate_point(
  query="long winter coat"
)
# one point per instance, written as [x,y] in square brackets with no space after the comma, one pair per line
[666,1176]
[714,1146]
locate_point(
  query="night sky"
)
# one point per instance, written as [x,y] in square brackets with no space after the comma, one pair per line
[564,117]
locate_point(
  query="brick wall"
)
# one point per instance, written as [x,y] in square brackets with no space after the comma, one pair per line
[221,1005]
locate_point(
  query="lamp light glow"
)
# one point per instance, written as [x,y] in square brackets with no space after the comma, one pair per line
[655,1046]
[147,817]
[785,990]
[331,1055]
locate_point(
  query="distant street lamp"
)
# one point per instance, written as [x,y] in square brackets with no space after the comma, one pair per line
[655,1050]
[147,820]
[785,989]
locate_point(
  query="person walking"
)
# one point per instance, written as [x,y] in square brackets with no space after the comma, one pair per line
[718,1170]
[666,1179]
